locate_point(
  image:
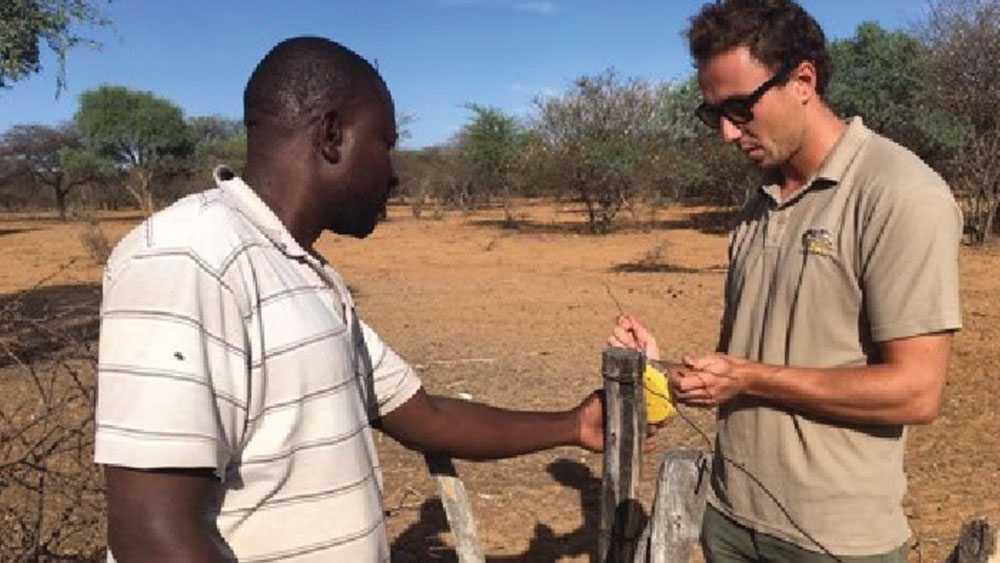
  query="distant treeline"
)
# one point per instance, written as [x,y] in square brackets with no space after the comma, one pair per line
[607,141]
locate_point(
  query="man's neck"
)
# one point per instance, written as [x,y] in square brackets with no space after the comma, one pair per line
[821,135]
[286,197]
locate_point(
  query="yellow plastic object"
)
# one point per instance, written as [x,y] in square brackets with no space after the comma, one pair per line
[658,402]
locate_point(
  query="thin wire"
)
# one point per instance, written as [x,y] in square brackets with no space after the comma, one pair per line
[611,294]
[738,465]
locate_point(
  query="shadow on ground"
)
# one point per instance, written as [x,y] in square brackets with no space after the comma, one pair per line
[5,232]
[422,540]
[643,267]
[39,324]
[709,222]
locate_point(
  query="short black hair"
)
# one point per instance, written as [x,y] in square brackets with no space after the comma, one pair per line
[779,33]
[302,73]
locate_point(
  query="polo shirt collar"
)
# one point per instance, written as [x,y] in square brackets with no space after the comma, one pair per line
[832,169]
[257,212]
[847,147]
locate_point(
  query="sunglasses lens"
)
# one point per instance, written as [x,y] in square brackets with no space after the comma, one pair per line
[738,112]
[708,115]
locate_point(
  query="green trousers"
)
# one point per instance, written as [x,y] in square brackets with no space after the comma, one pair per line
[725,541]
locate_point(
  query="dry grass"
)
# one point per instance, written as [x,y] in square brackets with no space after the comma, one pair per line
[50,490]
[533,299]
[94,241]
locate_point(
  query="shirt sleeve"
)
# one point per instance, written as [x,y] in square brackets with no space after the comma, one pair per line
[391,380]
[909,252]
[172,367]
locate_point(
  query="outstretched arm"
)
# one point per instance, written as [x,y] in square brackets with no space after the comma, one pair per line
[468,430]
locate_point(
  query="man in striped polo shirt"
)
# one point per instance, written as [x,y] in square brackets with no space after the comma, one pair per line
[237,385]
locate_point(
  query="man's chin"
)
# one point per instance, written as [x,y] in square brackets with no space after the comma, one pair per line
[356,230]
[364,231]
[760,158]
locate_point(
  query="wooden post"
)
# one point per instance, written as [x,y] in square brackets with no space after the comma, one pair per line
[978,543]
[679,505]
[456,507]
[624,430]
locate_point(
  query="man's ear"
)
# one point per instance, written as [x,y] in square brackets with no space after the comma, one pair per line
[805,79]
[330,136]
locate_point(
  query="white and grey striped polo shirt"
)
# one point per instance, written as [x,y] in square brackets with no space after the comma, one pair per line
[224,344]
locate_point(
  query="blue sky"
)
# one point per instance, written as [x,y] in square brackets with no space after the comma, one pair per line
[436,55]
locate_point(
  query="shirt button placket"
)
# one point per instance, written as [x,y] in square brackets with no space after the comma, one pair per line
[776,227]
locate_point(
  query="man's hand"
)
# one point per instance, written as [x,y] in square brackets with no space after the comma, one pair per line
[589,415]
[629,333]
[709,381]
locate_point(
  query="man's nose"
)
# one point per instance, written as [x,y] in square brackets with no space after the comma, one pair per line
[729,131]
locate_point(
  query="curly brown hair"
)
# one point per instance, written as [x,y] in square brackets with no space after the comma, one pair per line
[778,33]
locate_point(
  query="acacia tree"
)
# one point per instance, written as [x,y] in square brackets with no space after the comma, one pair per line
[692,163]
[142,134]
[208,128]
[51,157]
[488,146]
[26,23]
[218,140]
[881,76]
[432,173]
[962,39]
[599,135]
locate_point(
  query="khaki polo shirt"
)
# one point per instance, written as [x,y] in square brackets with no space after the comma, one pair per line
[866,253]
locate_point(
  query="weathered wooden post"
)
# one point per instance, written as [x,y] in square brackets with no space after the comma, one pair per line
[456,508]
[624,430]
[679,506]
[978,543]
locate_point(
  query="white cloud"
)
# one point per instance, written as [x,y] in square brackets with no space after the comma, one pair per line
[536,7]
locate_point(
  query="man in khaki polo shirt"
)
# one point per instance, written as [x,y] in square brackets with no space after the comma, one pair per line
[840,304]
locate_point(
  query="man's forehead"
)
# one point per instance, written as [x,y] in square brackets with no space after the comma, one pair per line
[735,71]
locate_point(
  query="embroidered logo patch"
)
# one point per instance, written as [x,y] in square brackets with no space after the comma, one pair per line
[817,241]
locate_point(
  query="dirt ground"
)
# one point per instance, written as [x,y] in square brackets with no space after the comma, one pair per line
[518,318]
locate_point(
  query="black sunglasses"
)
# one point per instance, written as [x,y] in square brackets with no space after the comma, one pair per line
[739,109]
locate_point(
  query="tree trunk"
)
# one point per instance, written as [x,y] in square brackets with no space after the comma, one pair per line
[147,192]
[592,218]
[991,211]
[142,192]
[61,202]
[136,195]
[148,205]
[509,217]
